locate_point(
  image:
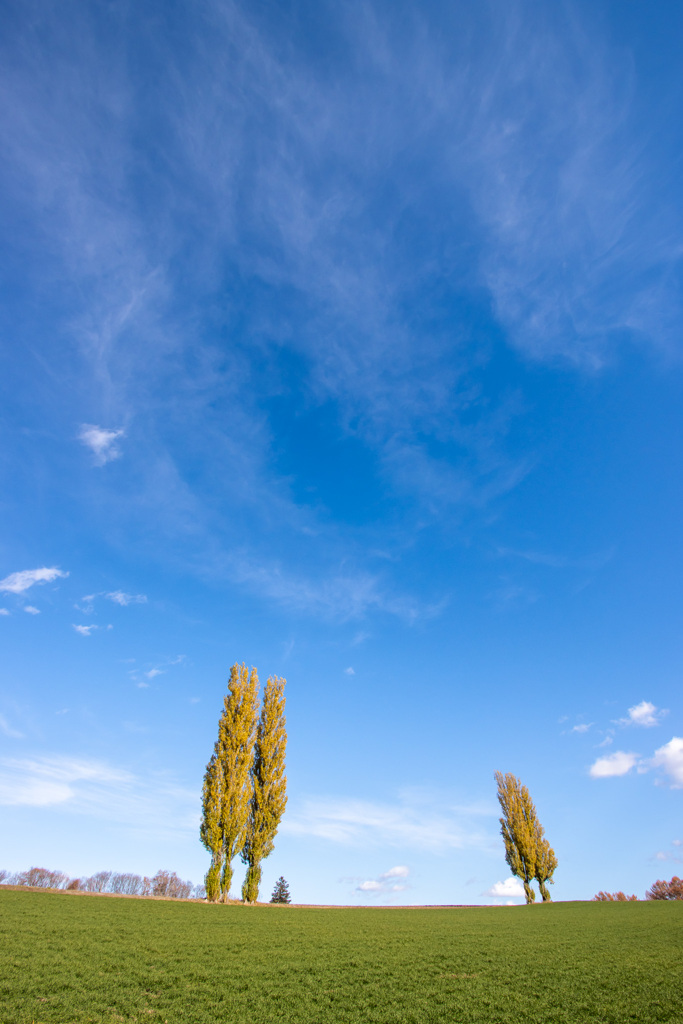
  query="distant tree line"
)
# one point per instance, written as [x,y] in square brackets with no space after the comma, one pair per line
[614,897]
[659,890]
[164,883]
[244,792]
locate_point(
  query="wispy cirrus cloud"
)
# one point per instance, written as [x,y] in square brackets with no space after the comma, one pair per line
[329,199]
[142,678]
[341,595]
[414,821]
[555,561]
[123,599]
[8,730]
[47,781]
[119,597]
[20,582]
[153,804]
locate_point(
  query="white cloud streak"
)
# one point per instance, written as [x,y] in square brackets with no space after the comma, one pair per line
[19,582]
[415,823]
[44,782]
[343,596]
[85,630]
[154,805]
[123,599]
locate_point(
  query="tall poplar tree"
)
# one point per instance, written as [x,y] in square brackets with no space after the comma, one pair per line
[226,794]
[528,854]
[210,830]
[236,738]
[269,785]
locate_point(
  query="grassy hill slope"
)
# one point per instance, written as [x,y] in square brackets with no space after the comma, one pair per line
[70,959]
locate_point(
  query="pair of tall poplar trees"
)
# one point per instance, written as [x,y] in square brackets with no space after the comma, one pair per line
[244,793]
[527,851]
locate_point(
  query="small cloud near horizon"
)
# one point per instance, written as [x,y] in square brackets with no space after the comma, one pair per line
[511,888]
[386,884]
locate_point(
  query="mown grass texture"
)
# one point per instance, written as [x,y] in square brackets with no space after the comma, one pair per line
[71,958]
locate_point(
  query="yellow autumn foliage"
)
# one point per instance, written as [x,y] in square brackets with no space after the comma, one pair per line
[528,853]
[269,785]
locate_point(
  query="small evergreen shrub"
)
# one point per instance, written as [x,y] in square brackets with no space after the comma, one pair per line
[281,892]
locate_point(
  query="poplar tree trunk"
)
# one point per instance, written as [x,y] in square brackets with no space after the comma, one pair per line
[213,882]
[226,880]
[251,884]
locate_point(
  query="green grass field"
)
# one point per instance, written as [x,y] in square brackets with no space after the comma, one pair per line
[74,958]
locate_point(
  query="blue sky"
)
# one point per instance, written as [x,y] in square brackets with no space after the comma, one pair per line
[344,340]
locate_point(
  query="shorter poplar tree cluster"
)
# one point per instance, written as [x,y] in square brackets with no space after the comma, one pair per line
[527,851]
[244,792]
